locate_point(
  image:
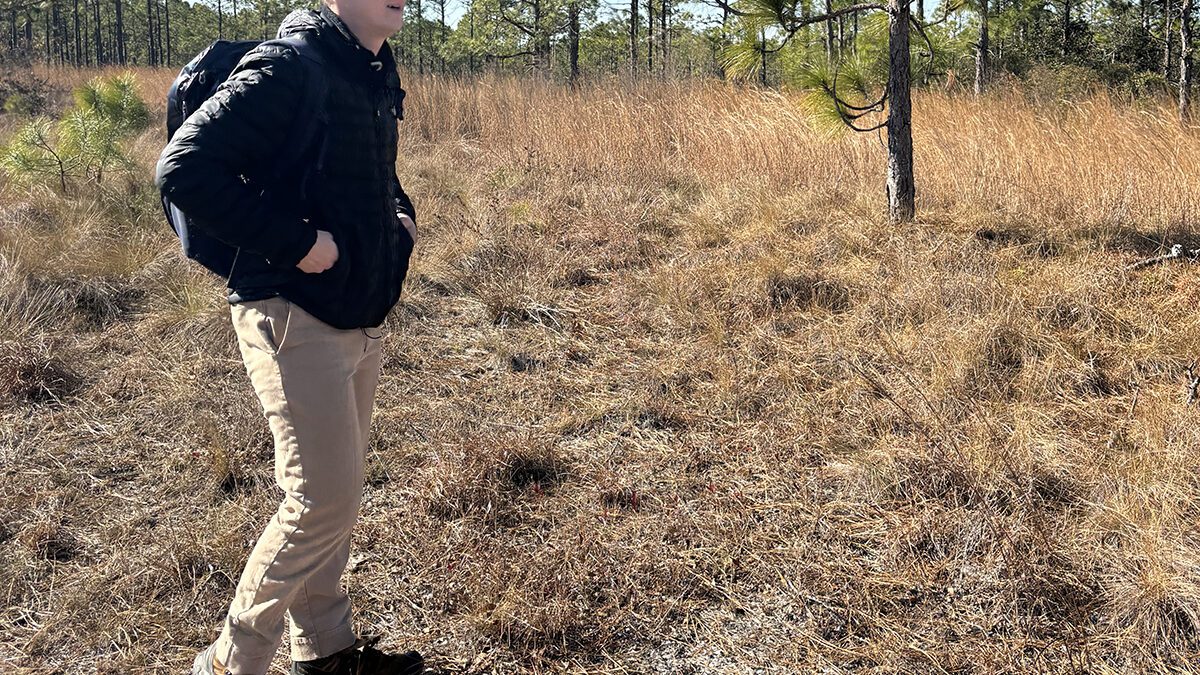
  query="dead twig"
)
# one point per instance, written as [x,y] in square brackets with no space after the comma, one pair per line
[1178,252]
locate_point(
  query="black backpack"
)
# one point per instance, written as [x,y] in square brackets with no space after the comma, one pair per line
[199,80]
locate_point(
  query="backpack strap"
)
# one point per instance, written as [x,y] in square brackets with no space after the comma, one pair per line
[310,130]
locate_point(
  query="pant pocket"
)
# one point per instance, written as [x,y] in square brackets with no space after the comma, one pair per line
[272,318]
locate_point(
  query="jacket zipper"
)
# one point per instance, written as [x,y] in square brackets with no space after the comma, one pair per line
[393,233]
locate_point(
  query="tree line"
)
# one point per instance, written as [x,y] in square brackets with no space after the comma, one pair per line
[859,58]
[1140,44]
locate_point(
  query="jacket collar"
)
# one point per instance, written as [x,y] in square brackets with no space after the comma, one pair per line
[333,33]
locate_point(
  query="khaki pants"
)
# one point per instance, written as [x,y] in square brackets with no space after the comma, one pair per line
[317,388]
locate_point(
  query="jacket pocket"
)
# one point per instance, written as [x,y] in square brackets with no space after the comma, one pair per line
[340,269]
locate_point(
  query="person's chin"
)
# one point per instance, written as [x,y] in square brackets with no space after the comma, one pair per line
[390,26]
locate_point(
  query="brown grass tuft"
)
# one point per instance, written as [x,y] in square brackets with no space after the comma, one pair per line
[35,373]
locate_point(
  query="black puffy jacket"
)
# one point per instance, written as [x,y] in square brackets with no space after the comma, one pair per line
[219,169]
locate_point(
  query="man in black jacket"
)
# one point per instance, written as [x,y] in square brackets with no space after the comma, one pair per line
[313,281]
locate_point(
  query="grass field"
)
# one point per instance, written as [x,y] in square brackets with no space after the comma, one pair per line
[666,394]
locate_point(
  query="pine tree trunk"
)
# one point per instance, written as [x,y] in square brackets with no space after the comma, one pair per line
[854,35]
[900,188]
[724,40]
[158,32]
[762,71]
[633,37]
[650,37]
[1066,28]
[97,35]
[664,35]
[150,33]
[120,36]
[1167,42]
[420,38]
[62,45]
[471,34]
[541,44]
[167,15]
[77,57]
[573,39]
[1185,61]
[56,39]
[829,32]
[86,30]
[981,50]
[64,36]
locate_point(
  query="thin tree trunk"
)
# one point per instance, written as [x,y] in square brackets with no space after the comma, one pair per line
[854,35]
[650,37]
[97,35]
[1167,42]
[829,32]
[56,39]
[1066,27]
[60,35]
[120,34]
[724,40]
[981,50]
[541,45]
[1185,61]
[150,33]
[762,71]
[664,35]
[573,39]
[633,37]
[64,30]
[900,187]
[77,57]
[471,33]
[420,38]
[159,10]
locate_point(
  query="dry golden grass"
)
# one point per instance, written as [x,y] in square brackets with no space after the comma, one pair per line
[666,395]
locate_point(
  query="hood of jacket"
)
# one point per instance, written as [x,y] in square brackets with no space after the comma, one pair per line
[331,32]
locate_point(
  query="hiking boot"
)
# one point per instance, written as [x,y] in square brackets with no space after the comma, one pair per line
[206,663]
[362,658]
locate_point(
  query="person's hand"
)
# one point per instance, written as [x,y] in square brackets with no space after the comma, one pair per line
[321,256]
[410,226]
